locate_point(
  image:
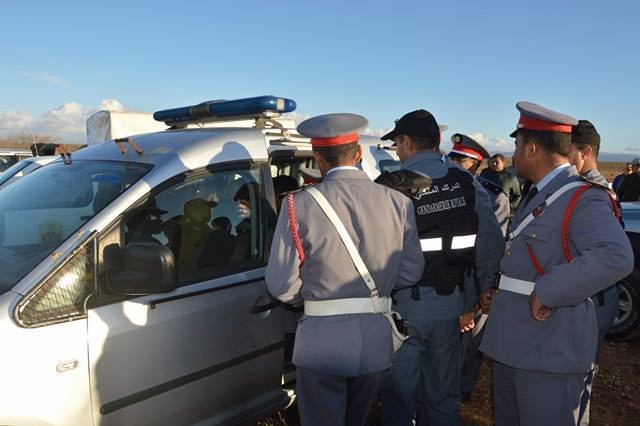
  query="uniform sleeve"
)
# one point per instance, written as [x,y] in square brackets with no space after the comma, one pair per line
[283,270]
[603,257]
[489,241]
[502,210]
[412,261]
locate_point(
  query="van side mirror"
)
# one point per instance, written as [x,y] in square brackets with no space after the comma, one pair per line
[140,269]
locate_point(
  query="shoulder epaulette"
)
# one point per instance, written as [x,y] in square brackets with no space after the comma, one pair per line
[404,181]
[490,186]
[594,184]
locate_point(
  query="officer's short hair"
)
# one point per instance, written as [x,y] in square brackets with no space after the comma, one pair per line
[337,154]
[426,142]
[552,142]
[498,156]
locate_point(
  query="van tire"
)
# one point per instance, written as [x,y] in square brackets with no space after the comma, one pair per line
[627,325]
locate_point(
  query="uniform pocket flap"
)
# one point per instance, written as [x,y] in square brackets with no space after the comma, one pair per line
[537,231]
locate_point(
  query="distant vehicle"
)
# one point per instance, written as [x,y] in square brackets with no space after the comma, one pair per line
[23,168]
[9,157]
[132,287]
[627,324]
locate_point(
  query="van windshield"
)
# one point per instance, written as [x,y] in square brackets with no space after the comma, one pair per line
[41,210]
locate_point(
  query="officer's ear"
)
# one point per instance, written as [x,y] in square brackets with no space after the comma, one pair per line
[358,157]
[321,163]
[531,149]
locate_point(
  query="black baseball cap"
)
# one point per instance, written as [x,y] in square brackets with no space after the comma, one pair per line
[416,123]
[585,133]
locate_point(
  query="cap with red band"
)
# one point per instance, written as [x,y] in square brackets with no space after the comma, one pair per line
[536,117]
[464,146]
[333,129]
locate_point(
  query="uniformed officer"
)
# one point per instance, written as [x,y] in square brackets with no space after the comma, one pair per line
[341,349]
[459,233]
[469,154]
[564,245]
[585,146]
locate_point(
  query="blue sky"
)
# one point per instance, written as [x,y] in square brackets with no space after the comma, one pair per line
[468,62]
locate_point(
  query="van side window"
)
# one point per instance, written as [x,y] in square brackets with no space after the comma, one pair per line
[215,223]
[63,296]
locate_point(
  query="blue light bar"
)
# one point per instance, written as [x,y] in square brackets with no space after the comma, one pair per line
[211,110]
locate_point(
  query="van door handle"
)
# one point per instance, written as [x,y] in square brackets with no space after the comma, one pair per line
[65,366]
[256,309]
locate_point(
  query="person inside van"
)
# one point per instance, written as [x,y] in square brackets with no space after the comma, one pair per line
[144,223]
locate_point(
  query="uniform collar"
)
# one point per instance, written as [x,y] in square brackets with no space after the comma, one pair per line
[418,158]
[550,176]
[595,176]
[559,176]
[348,173]
[335,169]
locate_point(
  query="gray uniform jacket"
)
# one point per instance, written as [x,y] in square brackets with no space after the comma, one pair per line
[566,341]
[382,224]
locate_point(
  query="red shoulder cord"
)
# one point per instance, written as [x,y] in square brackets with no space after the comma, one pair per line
[569,212]
[565,227]
[534,259]
[294,228]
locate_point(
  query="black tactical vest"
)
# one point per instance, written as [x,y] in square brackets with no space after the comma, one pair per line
[447,223]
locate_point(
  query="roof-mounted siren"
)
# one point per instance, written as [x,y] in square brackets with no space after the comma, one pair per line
[263,109]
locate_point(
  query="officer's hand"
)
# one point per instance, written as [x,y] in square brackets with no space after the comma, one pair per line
[485,300]
[539,312]
[467,322]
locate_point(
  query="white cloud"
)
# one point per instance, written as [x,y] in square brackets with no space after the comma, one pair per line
[297,117]
[65,121]
[376,132]
[492,144]
[111,104]
[15,120]
[634,150]
[66,118]
[48,78]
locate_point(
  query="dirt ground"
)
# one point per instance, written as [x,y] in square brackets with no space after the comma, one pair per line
[614,402]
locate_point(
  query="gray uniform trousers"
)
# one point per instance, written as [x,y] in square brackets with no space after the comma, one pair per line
[431,358]
[530,398]
[471,356]
[336,400]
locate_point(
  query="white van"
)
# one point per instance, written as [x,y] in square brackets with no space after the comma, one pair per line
[23,168]
[9,157]
[132,289]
